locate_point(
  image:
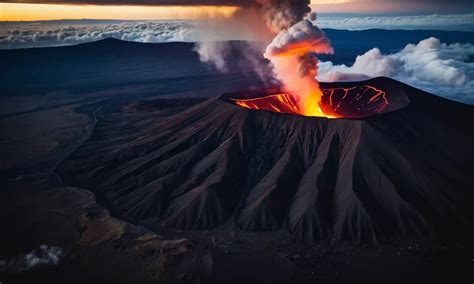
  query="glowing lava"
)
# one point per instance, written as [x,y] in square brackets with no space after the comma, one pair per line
[283,103]
[304,89]
[293,55]
[345,102]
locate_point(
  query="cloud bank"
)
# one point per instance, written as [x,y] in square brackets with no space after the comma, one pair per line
[44,256]
[51,33]
[439,68]
[35,34]
[463,22]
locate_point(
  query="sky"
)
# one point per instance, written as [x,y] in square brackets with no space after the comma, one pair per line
[31,10]
[429,64]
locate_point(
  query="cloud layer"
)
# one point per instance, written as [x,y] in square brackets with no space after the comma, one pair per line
[50,33]
[44,256]
[444,70]
[34,34]
[431,22]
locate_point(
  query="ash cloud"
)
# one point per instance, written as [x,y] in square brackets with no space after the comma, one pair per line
[43,256]
[260,21]
[282,14]
[443,69]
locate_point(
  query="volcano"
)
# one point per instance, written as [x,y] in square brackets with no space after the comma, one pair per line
[396,164]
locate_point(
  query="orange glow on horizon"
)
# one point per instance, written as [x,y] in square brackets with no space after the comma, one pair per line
[38,12]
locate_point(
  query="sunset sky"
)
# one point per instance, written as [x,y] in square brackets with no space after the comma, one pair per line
[16,10]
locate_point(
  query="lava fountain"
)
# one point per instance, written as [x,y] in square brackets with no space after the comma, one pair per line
[293,55]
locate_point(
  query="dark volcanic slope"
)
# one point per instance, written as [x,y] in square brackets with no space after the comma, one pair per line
[400,174]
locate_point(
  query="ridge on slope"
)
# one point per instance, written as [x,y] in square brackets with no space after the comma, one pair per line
[400,174]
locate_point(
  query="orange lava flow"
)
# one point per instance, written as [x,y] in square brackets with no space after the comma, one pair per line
[304,89]
[352,102]
[296,68]
[283,103]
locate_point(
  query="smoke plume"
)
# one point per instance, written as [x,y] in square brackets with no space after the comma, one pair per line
[282,14]
[293,43]
[300,39]
[258,20]
[293,55]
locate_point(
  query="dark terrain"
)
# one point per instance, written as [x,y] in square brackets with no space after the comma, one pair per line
[202,190]
[399,174]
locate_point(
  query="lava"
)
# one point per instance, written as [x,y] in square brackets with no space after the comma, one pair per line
[342,102]
[282,103]
[293,56]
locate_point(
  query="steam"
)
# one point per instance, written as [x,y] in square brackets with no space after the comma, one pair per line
[293,52]
[213,53]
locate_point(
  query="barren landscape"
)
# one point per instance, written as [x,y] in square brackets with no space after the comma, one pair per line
[155,181]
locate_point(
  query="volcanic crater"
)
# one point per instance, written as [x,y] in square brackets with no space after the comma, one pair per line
[399,168]
[339,100]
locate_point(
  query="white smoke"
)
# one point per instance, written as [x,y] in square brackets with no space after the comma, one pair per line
[303,32]
[443,69]
[43,256]
[297,47]
[214,53]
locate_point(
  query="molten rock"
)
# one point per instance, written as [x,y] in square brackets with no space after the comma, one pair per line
[339,100]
